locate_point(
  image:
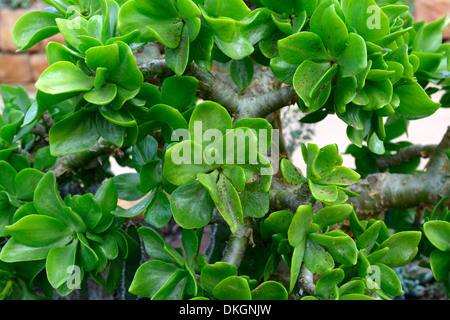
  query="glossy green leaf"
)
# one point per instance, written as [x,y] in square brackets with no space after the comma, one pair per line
[317,259]
[414,102]
[238,49]
[58,261]
[390,282]
[76,133]
[150,277]
[183,161]
[64,77]
[25,183]
[339,245]
[156,246]
[326,284]
[353,59]
[232,288]
[158,212]
[331,215]
[269,290]
[87,207]
[7,177]
[213,274]
[440,265]
[367,18]
[39,231]
[33,27]
[43,159]
[296,263]
[401,247]
[179,92]
[291,173]
[254,200]
[301,222]
[302,46]
[102,95]
[279,221]
[241,72]
[438,232]
[88,256]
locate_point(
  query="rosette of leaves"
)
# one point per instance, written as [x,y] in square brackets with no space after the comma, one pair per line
[437,232]
[326,178]
[379,252]
[221,281]
[219,164]
[175,25]
[341,64]
[156,110]
[298,239]
[101,83]
[79,231]
[66,18]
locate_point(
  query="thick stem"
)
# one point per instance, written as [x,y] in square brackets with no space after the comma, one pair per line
[235,250]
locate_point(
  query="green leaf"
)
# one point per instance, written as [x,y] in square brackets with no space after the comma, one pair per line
[238,49]
[107,197]
[325,193]
[47,200]
[310,79]
[87,207]
[367,18]
[177,58]
[88,256]
[75,133]
[301,222]
[390,283]
[254,200]
[333,31]
[331,215]
[401,247]
[269,290]
[7,177]
[191,205]
[291,173]
[339,245]
[179,92]
[43,159]
[101,95]
[25,183]
[302,46]
[33,27]
[279,221]
[64,77]
[353,59]
[158,212]
[438,232]
[225,197]
[440,265]
[368,238]
[241,72]
[232,288]
[156,246]
[326,284]
[149,176]
[150,277]
[39,231]
[213,274]
[376,145]
[414,102]
[296,263]
[183,161]
[58,261]
[317,259]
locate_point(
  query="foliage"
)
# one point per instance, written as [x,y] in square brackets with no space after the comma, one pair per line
[200,163]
